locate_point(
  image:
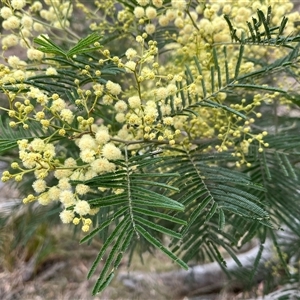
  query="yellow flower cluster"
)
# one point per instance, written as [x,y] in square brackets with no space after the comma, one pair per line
[41,158]
[149,102]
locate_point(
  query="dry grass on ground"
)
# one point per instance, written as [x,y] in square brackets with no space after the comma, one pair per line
[52,265]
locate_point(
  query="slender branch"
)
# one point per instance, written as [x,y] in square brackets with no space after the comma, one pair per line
[189,14]
[129,193]
[275,107]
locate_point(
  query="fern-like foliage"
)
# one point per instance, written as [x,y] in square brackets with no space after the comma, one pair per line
[261,32]
[135,212]
[213,195]
[71,62]
[194,195]
[218,79]
[9,136]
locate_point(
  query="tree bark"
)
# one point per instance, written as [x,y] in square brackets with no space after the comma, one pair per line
[200,279]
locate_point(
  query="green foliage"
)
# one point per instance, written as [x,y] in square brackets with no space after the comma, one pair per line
[10,137]
[47,46]
[211,186]
[261,31]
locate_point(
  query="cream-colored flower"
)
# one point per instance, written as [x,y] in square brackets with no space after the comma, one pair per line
[102,165]
[134,102]
[120,106]
[18,4]
[130,66]
[54,193]
[44,199]
[10,41]
[38,27]
[67,216]
[150,28]
[120,117]
[51,71]
[82,207]
[85,228]
[157,3]
[111,152]
[34,54]
[113,88]
[67,198]
[163,20]
[168,121]
[62,173]
[161,93]
[15,62]
[39,186]
[151,12]
[5,12]
[82,189]
[179,4]
[87,155]
[12,22]
[58,105]
[37,145]
[87,142]
[67,115]
[98,89]
[27,22]
[130,53]
[64,183]
[102,136]
[143,2]
[139,12]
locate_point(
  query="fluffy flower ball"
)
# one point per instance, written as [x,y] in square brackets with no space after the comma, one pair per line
[151,12]
[15,62]
[66,216]
[64,184]
[120,117]
[18,4]
[163,20]
[139,12]
[130,66]
[168,121]
[143,2]
[120,106]
[179,4]
[82,189]
[67,198]
[37,145]
[102,165]
[113,88]
[111,152]
[34,54]
[150,28]
[6,12]
[67,115]
[87,155]
[82,207]
[27,22]
[87,142]
[39,186]
[130,53]
[161,93]
[44,199]
[51,71]
[157,3]
[10,41]
[54,193]
[11,23]
[102,136]
[134,102]
[57,105]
